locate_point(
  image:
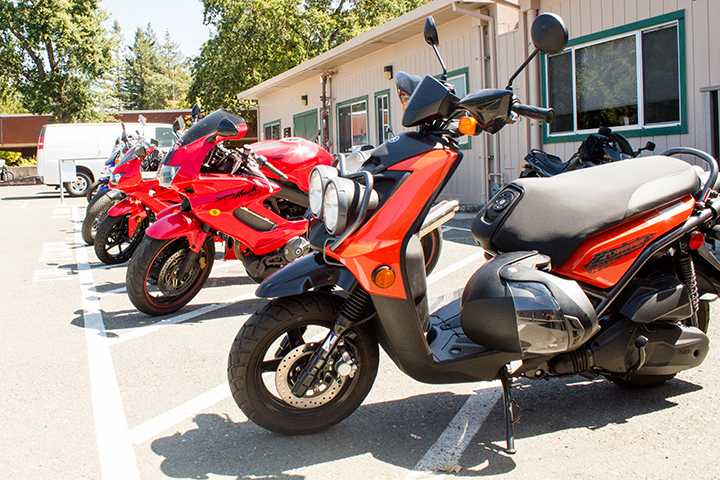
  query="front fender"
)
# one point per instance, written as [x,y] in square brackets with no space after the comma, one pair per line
[304,274]
[174,225]
[124,207]
[115,194]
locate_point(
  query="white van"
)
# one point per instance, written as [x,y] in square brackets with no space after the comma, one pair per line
[84,148]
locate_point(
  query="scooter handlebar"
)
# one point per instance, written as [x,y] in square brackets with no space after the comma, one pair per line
[538,113]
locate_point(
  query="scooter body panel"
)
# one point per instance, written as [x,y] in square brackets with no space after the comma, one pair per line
[604,258]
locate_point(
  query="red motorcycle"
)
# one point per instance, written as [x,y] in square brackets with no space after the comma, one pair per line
[121,230]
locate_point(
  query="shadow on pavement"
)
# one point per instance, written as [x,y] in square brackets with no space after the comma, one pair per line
[119,320]
[219,446]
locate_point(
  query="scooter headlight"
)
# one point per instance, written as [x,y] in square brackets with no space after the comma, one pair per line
[319,178]
[166,175]
[341,203]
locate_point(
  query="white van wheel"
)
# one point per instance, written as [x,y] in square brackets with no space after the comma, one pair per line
[80,186]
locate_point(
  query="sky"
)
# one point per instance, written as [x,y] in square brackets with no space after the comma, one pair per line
[182,18]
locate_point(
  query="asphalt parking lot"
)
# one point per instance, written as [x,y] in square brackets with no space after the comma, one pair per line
[93,389]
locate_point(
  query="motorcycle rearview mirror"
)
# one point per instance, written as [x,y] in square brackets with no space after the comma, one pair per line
[226,128]
[155,142]
[431,38]
[549,35]
[195,111]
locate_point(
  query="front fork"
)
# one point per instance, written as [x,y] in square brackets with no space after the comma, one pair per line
[196,241]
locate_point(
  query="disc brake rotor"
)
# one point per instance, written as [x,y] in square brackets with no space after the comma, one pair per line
[291,366]
[168,280]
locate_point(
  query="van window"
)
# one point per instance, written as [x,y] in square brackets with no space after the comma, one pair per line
[165,136]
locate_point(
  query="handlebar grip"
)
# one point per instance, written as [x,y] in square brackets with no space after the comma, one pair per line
[538,113]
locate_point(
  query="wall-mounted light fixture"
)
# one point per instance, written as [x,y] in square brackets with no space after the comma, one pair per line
[304,100]
[388,70]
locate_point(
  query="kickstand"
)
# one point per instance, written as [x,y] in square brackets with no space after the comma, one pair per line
[508,409]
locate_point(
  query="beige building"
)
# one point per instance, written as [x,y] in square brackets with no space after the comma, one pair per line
[647,68]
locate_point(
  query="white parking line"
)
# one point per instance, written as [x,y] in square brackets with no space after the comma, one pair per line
[445,453]
[150,429]
[184,317]
[462,229]
[117,456]
[440,274]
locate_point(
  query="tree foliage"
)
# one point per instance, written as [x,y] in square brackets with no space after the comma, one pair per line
[154,75]
[257,39]
[51,52]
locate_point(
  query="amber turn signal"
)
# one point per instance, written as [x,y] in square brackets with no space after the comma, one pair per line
[384,276]
[468,126]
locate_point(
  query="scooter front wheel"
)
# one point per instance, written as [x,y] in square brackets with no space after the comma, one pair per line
[159,279]
[272,349]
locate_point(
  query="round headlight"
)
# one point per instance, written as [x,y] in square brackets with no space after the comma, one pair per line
[331,208]
[319,178]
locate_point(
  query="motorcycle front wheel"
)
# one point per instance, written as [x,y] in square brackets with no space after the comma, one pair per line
[95,214]
[274,346]
[112,243]
[154,278]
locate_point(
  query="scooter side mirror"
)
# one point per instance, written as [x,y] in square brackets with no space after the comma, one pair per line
[650,146]
[431,33]
[549,33]
[226,128]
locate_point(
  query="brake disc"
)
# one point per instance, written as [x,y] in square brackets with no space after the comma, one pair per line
[167,279]
[292,365]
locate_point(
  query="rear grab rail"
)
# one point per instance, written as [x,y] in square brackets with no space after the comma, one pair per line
[712,163]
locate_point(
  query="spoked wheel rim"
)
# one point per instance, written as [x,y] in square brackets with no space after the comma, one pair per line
[118,244]
[284,357]
[162,283]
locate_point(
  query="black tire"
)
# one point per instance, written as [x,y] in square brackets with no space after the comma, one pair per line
[256,337]
[644,381]
[142,270]
[94,214]
[432,249]
[81,185]
[111,233]
[7,176]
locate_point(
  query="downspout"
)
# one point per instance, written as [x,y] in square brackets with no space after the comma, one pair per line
[325,109]
[493,170]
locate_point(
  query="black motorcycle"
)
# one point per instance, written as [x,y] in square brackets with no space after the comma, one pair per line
[598,148]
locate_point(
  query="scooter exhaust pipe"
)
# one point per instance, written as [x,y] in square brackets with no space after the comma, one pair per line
[440,214]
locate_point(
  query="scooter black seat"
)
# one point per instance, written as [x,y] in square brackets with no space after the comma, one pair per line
[555,215]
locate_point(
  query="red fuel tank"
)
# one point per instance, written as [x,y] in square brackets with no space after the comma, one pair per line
[296,157]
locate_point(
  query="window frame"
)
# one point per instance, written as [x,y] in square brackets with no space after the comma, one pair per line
[456,73]
[270,125]
[631,29]
[382,93]
[349,103]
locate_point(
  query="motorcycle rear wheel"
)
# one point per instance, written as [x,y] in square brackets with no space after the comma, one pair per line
[643,381]
[288,321]
[148,264]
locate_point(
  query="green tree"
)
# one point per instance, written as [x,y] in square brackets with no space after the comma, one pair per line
[258,39]
[155,75]
[51,52]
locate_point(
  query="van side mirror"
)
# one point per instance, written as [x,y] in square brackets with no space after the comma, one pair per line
[226,128]
[431,33]
[549,34]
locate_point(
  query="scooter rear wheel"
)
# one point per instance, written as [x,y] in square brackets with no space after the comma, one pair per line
[432,249]
[149,278]
[276,342]
[112,244]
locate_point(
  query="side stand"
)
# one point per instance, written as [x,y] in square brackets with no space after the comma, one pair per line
[508,409]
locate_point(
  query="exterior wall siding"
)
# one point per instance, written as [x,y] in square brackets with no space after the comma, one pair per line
[583,17]
[460,45]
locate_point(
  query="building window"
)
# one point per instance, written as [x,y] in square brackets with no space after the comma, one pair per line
[459,80]
[382,116]
[630,78]
[352,124]
[272,130]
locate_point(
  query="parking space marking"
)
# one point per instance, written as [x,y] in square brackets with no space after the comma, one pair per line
[184,317]
[445,453]
[450,269]
[116,453]
[462,229]
[52,255]
[150,429]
